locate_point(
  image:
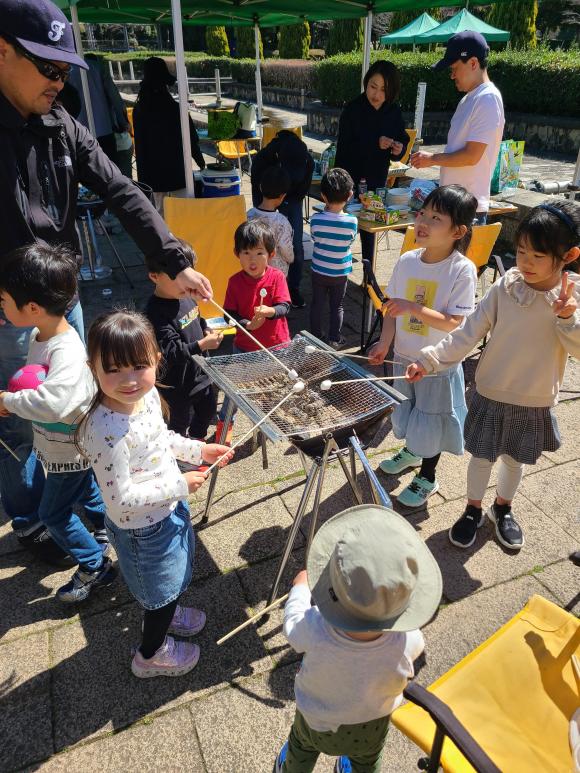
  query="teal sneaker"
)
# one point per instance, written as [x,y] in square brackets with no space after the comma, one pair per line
[417,492]
[402,460]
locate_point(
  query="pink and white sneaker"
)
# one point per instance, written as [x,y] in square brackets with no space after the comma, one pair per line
[187,621]
[173,658]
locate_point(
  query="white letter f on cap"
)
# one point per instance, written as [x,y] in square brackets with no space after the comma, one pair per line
[56,31]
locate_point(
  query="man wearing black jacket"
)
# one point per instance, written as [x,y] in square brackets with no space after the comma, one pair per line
[44,155]
[289,152]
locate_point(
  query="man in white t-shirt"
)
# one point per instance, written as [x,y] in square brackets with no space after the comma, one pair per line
[477,126]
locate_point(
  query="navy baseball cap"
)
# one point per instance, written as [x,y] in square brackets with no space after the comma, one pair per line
[463,46]
[40,28]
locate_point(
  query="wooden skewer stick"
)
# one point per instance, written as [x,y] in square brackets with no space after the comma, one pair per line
[293,391]
[327,383]
[292,373]
[310,349]
[10,451]
[252,619]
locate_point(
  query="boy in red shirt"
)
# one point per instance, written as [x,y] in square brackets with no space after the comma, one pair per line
[263,317]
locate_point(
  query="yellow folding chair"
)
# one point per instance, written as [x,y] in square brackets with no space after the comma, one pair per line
[209,226]
[391,179]
[480,249]
[269,132]
[507,705]
[233,150]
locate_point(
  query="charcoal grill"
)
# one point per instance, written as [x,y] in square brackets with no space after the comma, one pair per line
[322,425]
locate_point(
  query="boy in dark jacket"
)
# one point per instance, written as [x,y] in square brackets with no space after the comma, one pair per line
[181,332]
[288,151]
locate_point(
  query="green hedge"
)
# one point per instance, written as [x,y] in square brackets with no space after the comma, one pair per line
[543,82]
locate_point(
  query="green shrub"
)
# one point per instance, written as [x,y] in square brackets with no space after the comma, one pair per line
[246,44]
[294,41]
[345,35]
[216,41]
[543,82]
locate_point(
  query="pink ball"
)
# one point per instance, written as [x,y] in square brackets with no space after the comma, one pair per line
[28,377]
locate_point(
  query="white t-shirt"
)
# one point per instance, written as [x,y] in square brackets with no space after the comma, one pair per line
[342,681]
[447,286]
[479,118]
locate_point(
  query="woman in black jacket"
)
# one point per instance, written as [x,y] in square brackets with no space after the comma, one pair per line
[371,133]
[157,130]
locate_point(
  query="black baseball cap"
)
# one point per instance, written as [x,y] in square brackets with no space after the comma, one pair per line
[463,46]
[41,28]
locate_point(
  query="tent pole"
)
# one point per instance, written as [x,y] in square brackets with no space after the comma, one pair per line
[367,47]
[183,95]
[260,106]
[74,15]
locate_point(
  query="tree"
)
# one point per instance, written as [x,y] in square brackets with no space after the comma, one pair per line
[294,41]
[246,44]
[553,14]
[216,41]
[345,35]
[519,18]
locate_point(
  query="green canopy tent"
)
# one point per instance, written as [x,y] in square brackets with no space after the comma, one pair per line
[255,13]
[409,34]
[462,21]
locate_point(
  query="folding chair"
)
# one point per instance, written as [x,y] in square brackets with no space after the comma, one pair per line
[479,252]
[209,225]
[507,705]
[233,150]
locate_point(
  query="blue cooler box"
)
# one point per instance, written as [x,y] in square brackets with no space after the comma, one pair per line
[219,183]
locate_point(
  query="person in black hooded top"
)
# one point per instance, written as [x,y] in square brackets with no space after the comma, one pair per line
[157,130]
[371,133]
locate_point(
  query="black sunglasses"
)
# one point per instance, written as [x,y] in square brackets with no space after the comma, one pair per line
[46,69]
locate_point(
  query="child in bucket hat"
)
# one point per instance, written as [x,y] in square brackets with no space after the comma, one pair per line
[374,584]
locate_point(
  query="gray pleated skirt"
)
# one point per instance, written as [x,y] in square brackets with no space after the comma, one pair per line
[493,429]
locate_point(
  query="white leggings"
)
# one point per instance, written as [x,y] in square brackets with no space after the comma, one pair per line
[509,475]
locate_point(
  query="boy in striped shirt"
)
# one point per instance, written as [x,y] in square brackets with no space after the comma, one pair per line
[333,232]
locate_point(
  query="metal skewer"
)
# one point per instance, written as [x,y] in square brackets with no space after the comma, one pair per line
[327,383]
[10,451]
[296,389]
[290,371]
[310,349]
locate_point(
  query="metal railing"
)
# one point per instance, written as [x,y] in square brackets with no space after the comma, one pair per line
[217,80]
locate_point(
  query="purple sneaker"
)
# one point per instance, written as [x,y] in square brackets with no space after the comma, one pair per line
[173,658]
[187,621]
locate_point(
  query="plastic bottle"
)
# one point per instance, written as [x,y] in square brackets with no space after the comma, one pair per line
[331,156]
[362,187]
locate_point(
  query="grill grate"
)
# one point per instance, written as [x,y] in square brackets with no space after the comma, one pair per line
[253,380]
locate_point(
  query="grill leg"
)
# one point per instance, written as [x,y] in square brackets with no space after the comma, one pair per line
[115,253]
[329,446]
[215,471]
[310,480]
[265,463]
[351,479]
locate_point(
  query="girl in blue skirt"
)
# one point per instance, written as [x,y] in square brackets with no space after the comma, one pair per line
[431,291]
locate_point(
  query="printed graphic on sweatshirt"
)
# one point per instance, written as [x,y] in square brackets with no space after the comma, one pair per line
[421,291]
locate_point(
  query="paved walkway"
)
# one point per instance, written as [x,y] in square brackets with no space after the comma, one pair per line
[68,701]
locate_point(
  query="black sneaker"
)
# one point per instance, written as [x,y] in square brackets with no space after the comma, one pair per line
[102,538]
[575,558]
[42,546]
[507,529]
[463,532]
[296,300]
[82,583]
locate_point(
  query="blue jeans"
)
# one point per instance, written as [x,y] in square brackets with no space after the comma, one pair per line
[61,492]
[480,218]
[21,482]
[292,209]
[333,288]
